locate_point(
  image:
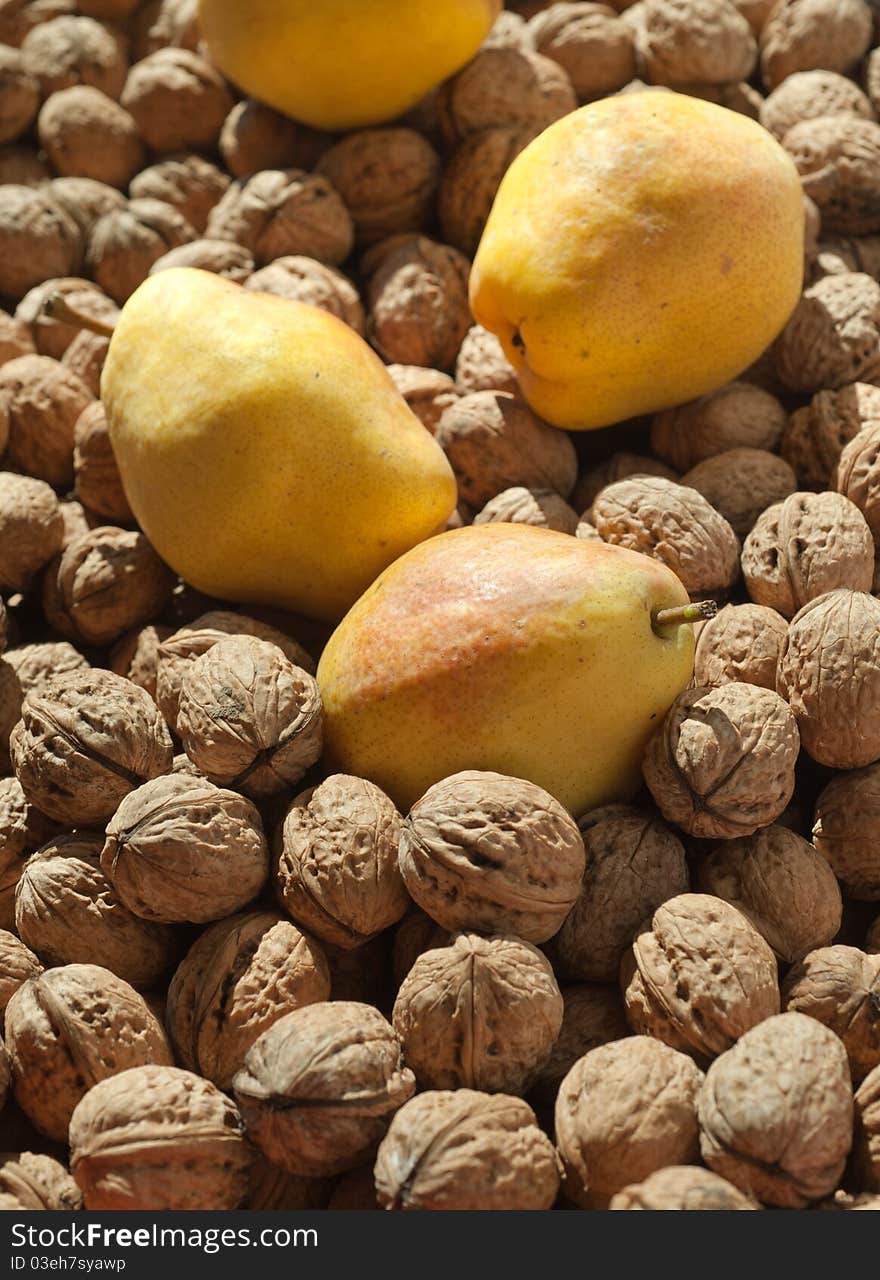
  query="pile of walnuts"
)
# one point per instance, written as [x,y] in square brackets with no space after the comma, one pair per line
[232,978]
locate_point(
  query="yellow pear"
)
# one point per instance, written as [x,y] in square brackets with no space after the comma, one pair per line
[640,252]
[506,648]
[339,64]
[263,447]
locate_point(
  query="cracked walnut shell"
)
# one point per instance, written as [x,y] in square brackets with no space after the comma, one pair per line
[833,335]
[840,986]
[737,416]
[741,643]
[284,211]
[817,434]
[847,830]
[682,1187]
[684,42]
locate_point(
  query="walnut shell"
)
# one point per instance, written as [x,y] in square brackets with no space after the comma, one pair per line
[318,1089]
[67,1029]
[428,392]
[872,939]
[807,95]
[683,1187]
[741,483]
[19,95]
[31,528]
[619,466]
[722,763]
[17,964]
[833,335]
[15,339]
[98,483]
[416,934]
[804,547]
[34,664]
[682,42]
[817,434]
[493,442]
[540,507]
[86,134]
[838,158]
[40,402]
[507,86]
[85,357]
[836,255]
[591,1015]
[471,178]
[776,1112]
[847,830]
[738,415]
[307,280]
[481,364]
[337,871]
[857,475]
[108,581]
[156,1138]
[866,1144]
[124,244]
[829,674]
[485,852]
[800,35]
[38,1182]
[72,50]
[136,655]
[254,137]
[178,100]
[387,178]
[634,863]
[38,237]
[625,1110]
[272,1187]
[417,301]
[480,1013]
[161,23]
[673,524]
[179,848]
[222,257]
[18,17]
[741,643]
[66,910]
[840,986]
[236,981]
[284,211]
[466,1150]
[51,337]
[590,42]
[85,200]
[189,183]
[22,165]
[85,740]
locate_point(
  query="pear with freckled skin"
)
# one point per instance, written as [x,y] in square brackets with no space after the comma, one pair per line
[509,648]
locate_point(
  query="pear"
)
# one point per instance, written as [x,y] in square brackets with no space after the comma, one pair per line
[263,447]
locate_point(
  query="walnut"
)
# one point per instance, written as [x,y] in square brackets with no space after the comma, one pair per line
[85,740]
[17,964]
[156,1137]
[682,1187]
[362,974]
[741,483]
[872,77]
[387,178]
[806,95]
[619,466]
[480,1013]
[4,1090]
[237,980]
[847,830]
[673,524]
[284,211]
[816,435]
[124,244]
[741,643]
[307,280]
[428,392]
[272,1187]
[722,763]
[625,1110]
[319,1087]
[776,1112]
[481,364]
[85,200]
[66,910]
[836,255]
[189,183]
[254,137]
[738,415]
[804,547]
[40,402]
[840,986]
[19,95]
[68,1028]
[98,482]
[829,674]
[592,1015]
[34,664]
[494,442]
[31,528]
[108,10]
[180,849]
[507,86]
[85,357]
[866,1145]
[838,158]
[471,179]
[857,475]
[15,339]
[190,642]
[872,940]
[136,655]
[38,1182]
[71,50]
[178,100]
[248,718]
[508,29]
[18,17]
[466,1150]
[353,1190]
[86,134]
[681,42]
[161,23]
[22,165]
[416,934]
[52,337]
[739,97]
[418,304]
[77,522]
[222,257]
[22,829]
[485,852]
[38,238]
[634,863]
[337,871]
[800,35]
[540,507]
[833,335]
[590,42]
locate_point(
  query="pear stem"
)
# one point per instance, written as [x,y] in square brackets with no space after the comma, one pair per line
[702,611]
[56,307]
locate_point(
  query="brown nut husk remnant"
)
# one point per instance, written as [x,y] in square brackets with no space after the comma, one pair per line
[31,528]
[156,1137]
[625,1110]
[741,643]
[180,849]
[17,964]
[480,1013]
[248,718]
[67,1029]
[466,1150]
[833,335]
[817,434]
[781,885]
[737,416]
[829,675]
[38,1182]
[722,763]
[840,986]
[858,475]
[490,853]
[337,872]
[318,1089]
[682,1187]
[284,211]
[741,483]
[237,979]
[847,830]
[776,1112]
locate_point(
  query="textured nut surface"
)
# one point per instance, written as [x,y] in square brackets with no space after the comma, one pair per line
[38,237]
[52,338]
[683,42]
[619,466]
[807,95]
[189,183]
[180,849]
[480,1013]
[481,364]
[741,643]
[741,483]
[124,244]
[86,134]
[15,339]
[417,302]
[157,1137]
[428,392]
[591,1015]
[38,1182]
[800,35]
[840,986]
[17,964]
[284,211]
[73,49]
[833,335]
[504,86]
[722,763]
[307,280]
[491,853]
[847,830]
[857,475]
[19,94]
[625,1110]
[318,1089]
[84,199]
[471,178]
[829,675]
[31,528]
[40,402]
[177,99]
[817,434]
[540,507]
[98,482]
[838,158]
[738,415]
[221,257]
[590,42]
[466,1150]
[254,137]
[866,1144]
[386,177]
[776,1112]
[237,979]
[109,580]
[682,1187]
